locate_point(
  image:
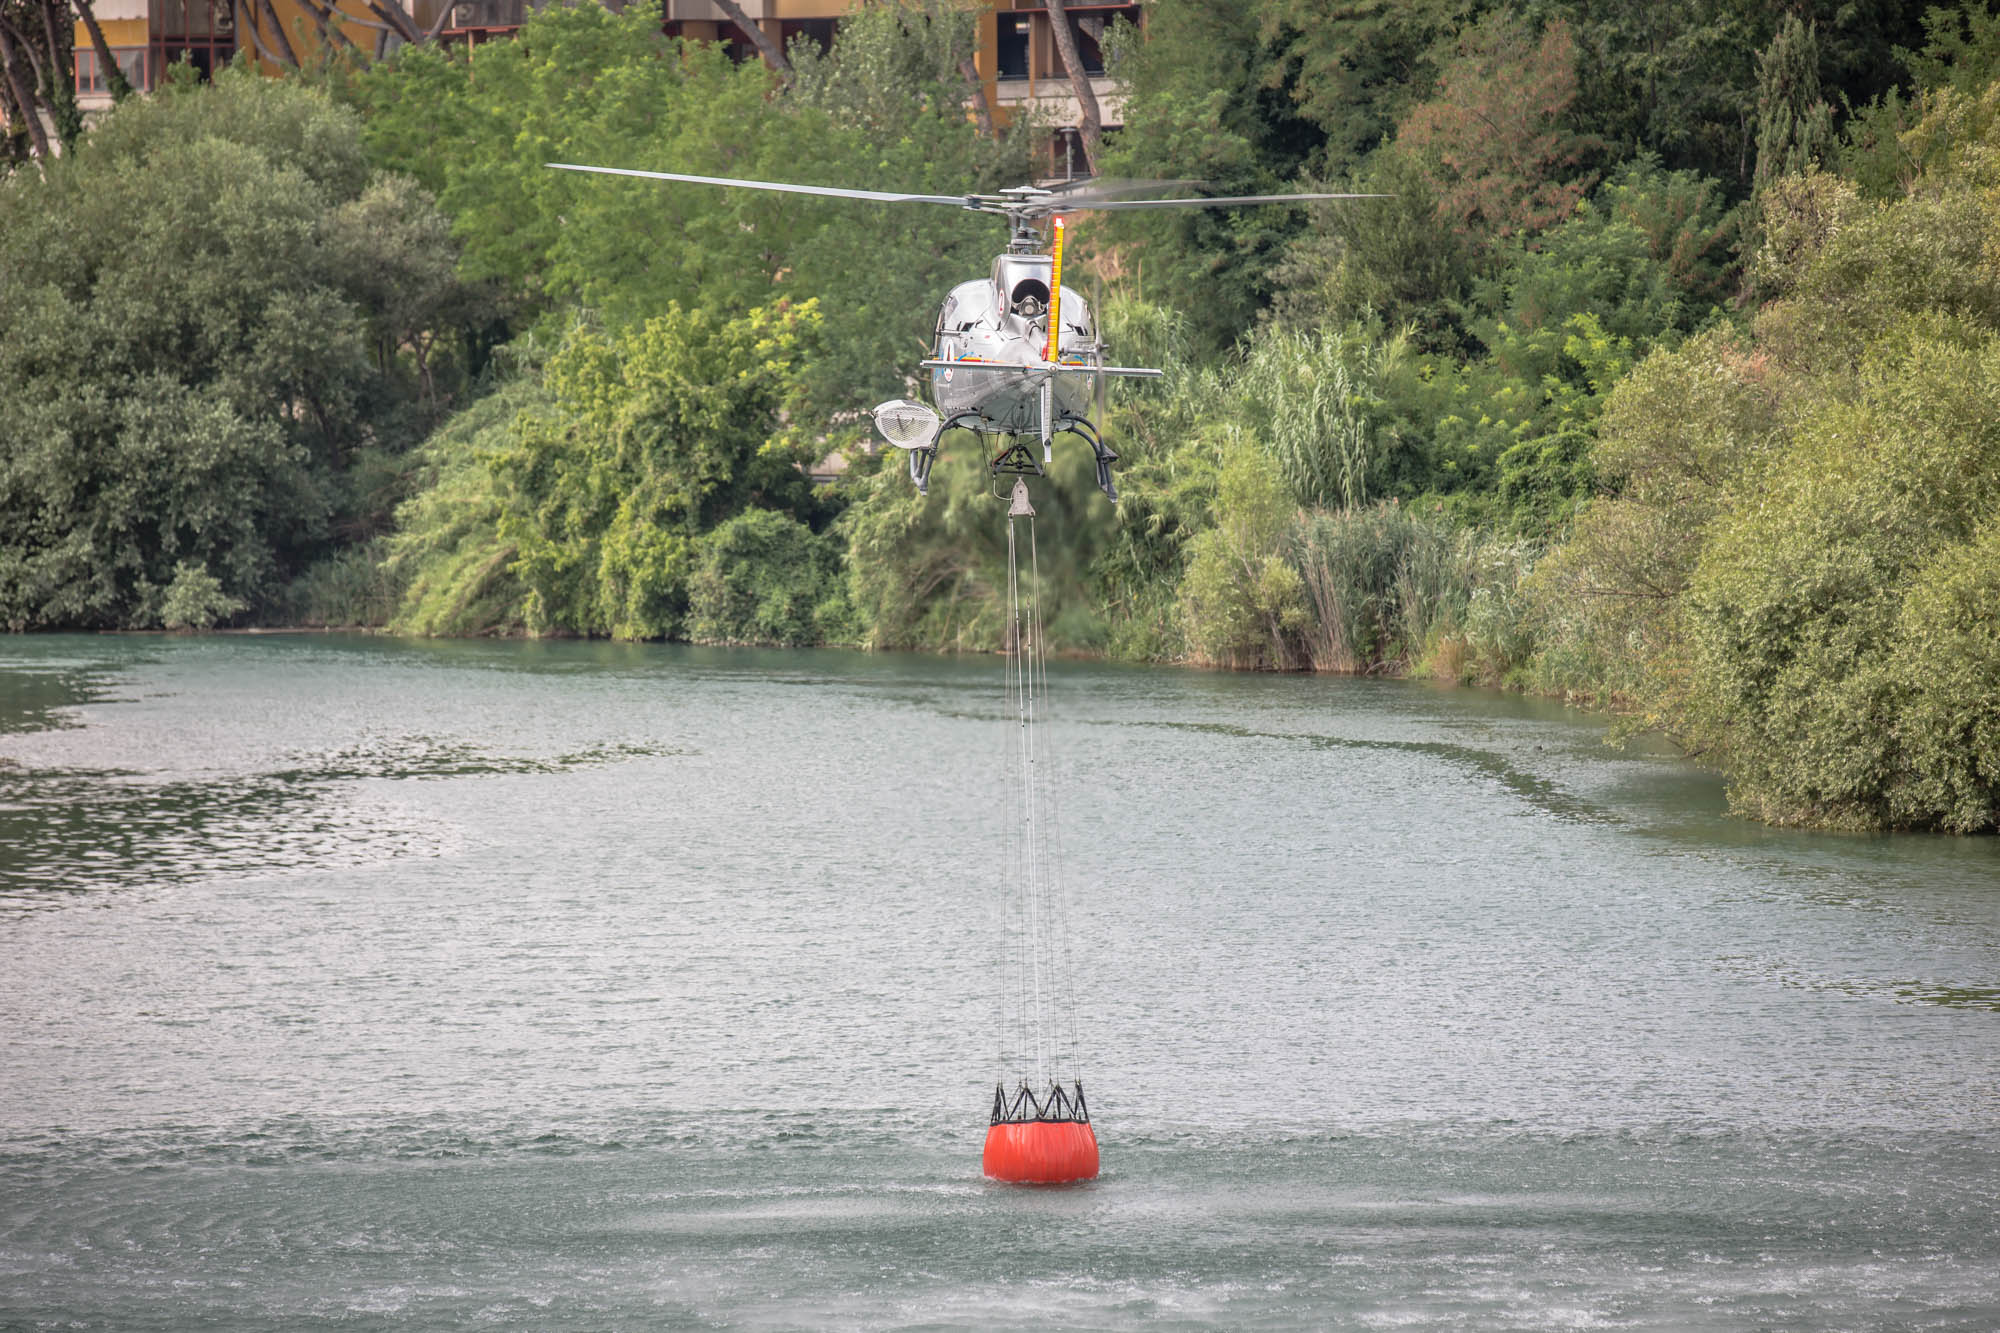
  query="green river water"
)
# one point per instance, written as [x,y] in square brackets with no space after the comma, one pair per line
[355,983]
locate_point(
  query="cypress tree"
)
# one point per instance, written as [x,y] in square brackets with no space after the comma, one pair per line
[1794,123]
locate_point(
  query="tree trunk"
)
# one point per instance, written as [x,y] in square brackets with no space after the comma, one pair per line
[1079,82]
[114,73]
[24,97]
[774,56]
[61,73]
[329,30]
[286,56]
[980,110]
[25,45]
[442,22]
[402,24]
[257,43]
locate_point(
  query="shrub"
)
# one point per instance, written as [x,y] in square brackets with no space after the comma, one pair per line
[1241,604]
[764,578]
[195,599]
[1811,610]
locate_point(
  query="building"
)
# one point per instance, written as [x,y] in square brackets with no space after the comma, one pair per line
[1024,72]
[146,36]
[1019,69]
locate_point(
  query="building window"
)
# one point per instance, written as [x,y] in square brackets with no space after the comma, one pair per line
[90,78]
[1013,52]
[1089,32]
[819,32]
[488,14]
[1067,160]
[200,32]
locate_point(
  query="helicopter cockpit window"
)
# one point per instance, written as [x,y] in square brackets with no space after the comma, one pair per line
[1029,299]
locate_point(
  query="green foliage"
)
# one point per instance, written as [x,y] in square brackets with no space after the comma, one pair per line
[581,84]
[1391,590]
[1800,608]
[184,368]
[659,432]
[1397,260]
[1794,124]
[575,501]
[932,572]
[1960,56]
[892,67]
[1218,101]
[1508,432]
[195,599]
[1168,439]
[1691,231]
[766,578]
[1675,80]
[1788,578]
[1961,49]
[1314,399]
[1681,80]
[395,249]
[353,587]
[1678,443]
[1242,604]
[1354,69]
[448,553]
[1850,271]
[1494,141]
[1948,678]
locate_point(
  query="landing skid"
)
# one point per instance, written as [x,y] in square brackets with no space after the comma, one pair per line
[1017,460]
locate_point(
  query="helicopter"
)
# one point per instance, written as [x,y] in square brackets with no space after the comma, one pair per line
[1015,354]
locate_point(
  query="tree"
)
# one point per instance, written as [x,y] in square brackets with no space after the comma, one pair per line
[38,59]
[1681,439]
[24,119]
[1790,575]
[1397,259]
[774,56]
[1820,616]
[184,377]
[1216,103]
[1079,82]
[1354,68]
[114,74]
[659,433]
[1242,604]
[1794,123]
[397,249]
[763,577]
[885,106]
[1493,139]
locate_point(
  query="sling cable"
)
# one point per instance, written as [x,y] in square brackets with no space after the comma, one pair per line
[1040,1129]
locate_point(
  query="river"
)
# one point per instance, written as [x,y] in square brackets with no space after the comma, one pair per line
[355,983]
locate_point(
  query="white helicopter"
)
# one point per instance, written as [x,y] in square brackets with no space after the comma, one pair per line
[1011,352]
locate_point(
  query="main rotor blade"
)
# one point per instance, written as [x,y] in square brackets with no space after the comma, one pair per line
[881,196]
[1224,201]
[1115,187]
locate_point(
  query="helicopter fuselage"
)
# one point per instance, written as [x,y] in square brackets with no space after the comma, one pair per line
[1002,321]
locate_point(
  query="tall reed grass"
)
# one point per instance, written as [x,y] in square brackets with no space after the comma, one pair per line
[1312,397]
[1395,592]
